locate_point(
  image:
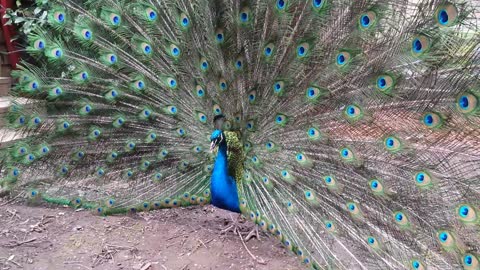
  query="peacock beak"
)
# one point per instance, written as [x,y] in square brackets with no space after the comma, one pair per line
[212,146]
[216,142]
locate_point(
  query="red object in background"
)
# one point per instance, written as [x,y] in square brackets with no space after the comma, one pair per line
[8,33]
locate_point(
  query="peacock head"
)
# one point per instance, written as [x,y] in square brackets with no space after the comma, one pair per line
[217,136]
[218,121]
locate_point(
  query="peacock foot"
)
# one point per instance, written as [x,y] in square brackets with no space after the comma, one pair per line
[234,227]
[253,233]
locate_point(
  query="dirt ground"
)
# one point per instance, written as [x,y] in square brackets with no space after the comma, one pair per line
[51,238]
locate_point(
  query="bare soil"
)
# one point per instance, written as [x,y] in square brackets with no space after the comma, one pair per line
[50,238]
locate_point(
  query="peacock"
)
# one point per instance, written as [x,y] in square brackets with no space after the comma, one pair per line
[348,130]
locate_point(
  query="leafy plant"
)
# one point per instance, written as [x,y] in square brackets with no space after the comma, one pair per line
[27,16]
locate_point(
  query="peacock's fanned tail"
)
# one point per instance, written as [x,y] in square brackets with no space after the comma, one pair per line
[359,119]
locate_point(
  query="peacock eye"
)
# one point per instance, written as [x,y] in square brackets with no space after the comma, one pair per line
[432,120]
[64,170]
[281,119]
[217,110]
[244,15]
[202,117]
[385,83]
[346,154]
[55,53]
[219,36]
[171,109]
[270,146]
[115,19]
[367,20]
[21,120]
[313,94]
[146,48]
[172,83]
[181,132]
[112,58]
[467,103]
[279,88]
[353,112]
[401,218]
[446,15]
[184,21]
[313,134]
[239,63]
[250,125]
[150,14]
[343,58]
[222,84]
[174,51]
[423,179]
[371,240]
[268,50]
[252,97]
[417,265]
[87,34]
[86,109]
[39,44]
[470,260]
[204,64]
[330,181]
[309,195]
[59,17]
[82,76]
[466,213]
[376,186]
[420,45]
[303,50]
[280,4]
[392,144]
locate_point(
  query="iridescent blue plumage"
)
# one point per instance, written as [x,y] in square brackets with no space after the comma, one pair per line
[223,186]
[352,133]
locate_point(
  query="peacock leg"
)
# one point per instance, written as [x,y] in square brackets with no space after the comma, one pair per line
[253,233]
[234,227]
[257,259]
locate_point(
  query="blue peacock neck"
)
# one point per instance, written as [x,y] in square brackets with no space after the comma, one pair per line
[220,169]
[223,186]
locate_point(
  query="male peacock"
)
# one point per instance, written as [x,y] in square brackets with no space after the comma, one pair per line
[352,127]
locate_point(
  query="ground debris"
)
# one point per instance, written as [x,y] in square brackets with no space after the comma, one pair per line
[45,238]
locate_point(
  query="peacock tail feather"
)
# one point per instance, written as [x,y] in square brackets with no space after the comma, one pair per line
[353,127]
